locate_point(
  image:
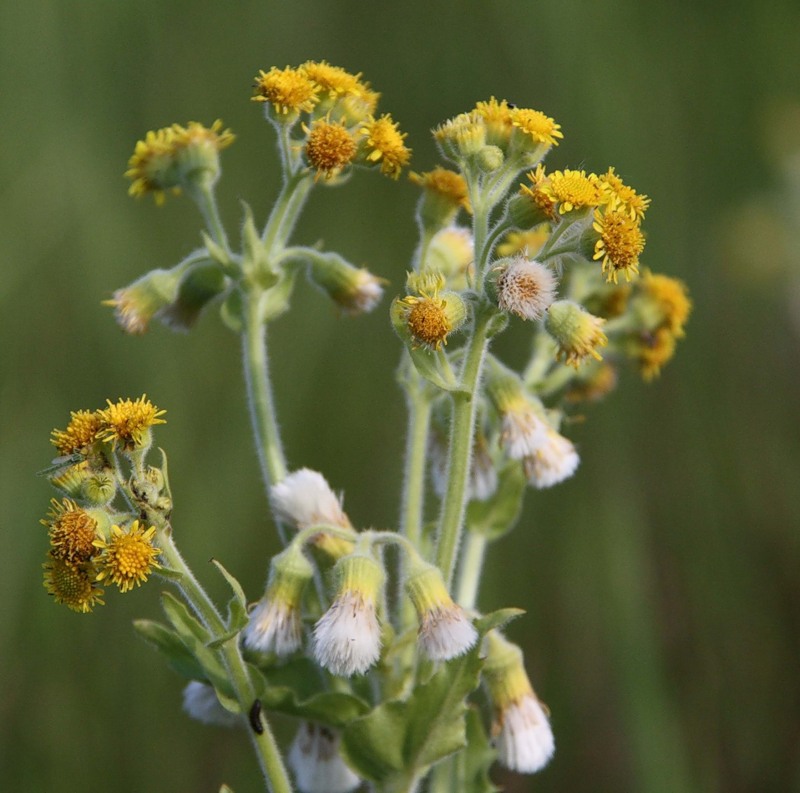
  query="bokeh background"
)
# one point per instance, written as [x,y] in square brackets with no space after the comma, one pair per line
[662,583]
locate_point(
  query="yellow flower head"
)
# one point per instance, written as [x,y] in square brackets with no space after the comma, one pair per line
[333,80]
[71,585]
[652,351]
[593,385]
[461,136]
[622,197]
[72,531]
[289,91]
[151,167]
[577,332]
[198,146]
[539,192]
[128,557]
[384,143]
[572,190]
[498,118]
[536,125]
[81,432]
[668,300]
[620,243]
[329,147]
[527,243]
[128,421]
[449,186]
[429,315]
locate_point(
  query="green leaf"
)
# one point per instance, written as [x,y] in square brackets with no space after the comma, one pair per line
[475,762]
[237,607]
[399,740]
[196,638]
[255,262]
[497,515]
[169,644]
[216,252]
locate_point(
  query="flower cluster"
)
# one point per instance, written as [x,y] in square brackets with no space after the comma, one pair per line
[90,541]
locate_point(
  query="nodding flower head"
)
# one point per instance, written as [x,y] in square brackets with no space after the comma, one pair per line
[552,462]
[275,624]
[347,638]
[521,729]
[317,765]
[445,631]
[577,332]
[521,416]
[304,498]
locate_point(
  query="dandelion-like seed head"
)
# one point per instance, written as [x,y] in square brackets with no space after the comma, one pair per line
[81,432]
[127,422]
[347,638]
[289,91]
[317,765]
[577,332]
[200,701]
[72,531]
[522,287]
[383,143]
[620,243]
[304,498]
[127,558]
[329,147]
[552,462]
[71,585]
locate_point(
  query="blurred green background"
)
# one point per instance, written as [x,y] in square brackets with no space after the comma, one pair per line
[662,583]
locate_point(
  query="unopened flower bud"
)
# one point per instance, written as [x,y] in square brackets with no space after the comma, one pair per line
[461,138]
[451,252]
[577,332]
[490,158]
[354,290]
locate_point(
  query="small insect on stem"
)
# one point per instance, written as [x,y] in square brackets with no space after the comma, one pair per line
[255,717]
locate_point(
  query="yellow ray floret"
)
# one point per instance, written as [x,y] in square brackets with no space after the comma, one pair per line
[81,432]
[572,190]
[384,144]
[621,196]
[126,421]
[620,243]
[445,183]
[287,90]
[536,125]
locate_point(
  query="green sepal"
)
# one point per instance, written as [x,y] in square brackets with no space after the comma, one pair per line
[196,639]
[496,516]
[478,758]
[217,252]
[169,644]
[255,262]
[399,740]
[237,606]
[232,311]
[294,689]
[497,619]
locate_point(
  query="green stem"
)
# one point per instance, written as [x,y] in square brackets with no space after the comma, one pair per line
[259,396]
[288,204]
[469,577]
[460,449]
[266,748]
[203,195]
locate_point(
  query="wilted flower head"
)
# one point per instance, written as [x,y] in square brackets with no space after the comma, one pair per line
[552,462]
[304,498]
[316,763]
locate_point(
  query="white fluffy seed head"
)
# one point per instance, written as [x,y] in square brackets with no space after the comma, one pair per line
[304,498]
[446,633]
[274,627]
[552,462]
[316,763]
[201,703]
[523,431]
[347,638]
[523,737]
[524,287]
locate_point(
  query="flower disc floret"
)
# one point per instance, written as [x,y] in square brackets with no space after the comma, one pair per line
[128,558]
[620,244]
[289,91]
[329,147]
[573,190]
[127,421]
[72,531]
[71,585]
[383,143]
[81,432]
